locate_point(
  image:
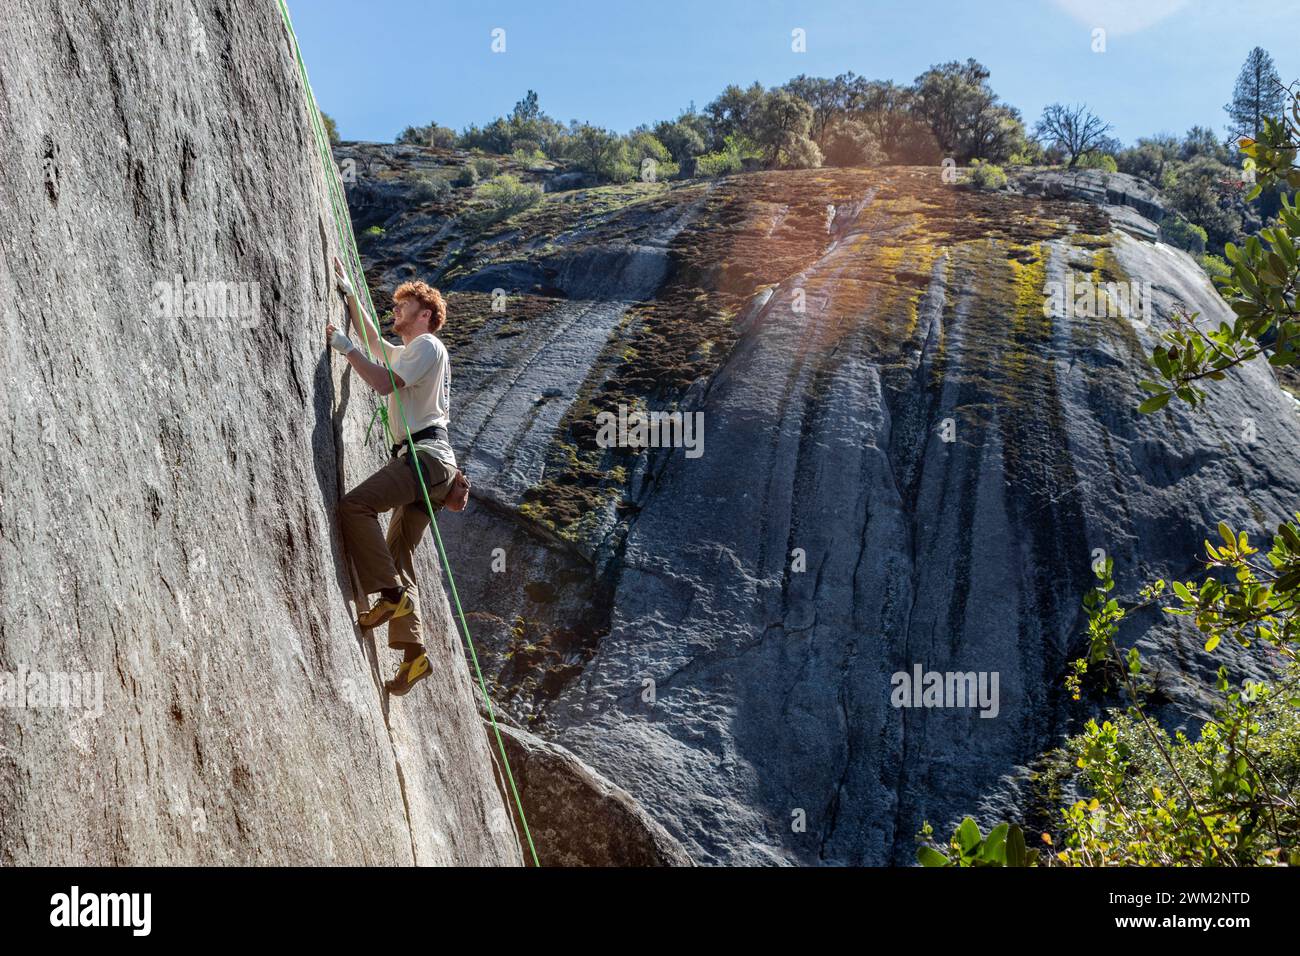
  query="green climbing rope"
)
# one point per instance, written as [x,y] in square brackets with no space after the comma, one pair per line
[348,243]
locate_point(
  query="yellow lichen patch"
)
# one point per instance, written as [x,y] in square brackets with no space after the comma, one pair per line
[1004,338]
[1029,276]
[914,271]
[1086,240]
[775,230]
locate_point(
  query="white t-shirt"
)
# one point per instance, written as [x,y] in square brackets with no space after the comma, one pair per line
[425,367]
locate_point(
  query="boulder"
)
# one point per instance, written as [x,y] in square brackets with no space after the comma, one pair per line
[1134,204]
[576,816]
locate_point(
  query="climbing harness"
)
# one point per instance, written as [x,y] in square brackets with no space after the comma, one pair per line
[348,245]
[411,451]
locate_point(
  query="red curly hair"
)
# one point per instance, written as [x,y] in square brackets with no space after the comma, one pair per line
[428,297]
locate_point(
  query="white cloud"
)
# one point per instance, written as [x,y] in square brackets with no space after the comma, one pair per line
[1118,17]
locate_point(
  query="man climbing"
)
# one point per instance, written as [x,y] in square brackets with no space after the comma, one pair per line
[422,373]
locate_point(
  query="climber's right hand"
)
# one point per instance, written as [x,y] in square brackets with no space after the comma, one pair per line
[341,277]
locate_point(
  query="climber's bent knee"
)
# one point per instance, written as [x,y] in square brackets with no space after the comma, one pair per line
[354,505]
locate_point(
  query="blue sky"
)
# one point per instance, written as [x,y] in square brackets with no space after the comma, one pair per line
[379,66]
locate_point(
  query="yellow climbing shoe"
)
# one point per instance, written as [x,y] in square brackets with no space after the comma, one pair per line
[386,610]
[409,673]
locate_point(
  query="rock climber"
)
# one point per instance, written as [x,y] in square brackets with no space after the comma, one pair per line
[422,373]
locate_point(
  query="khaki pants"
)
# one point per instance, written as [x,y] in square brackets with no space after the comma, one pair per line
[386,562]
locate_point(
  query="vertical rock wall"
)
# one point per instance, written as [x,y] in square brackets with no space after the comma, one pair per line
[169,558]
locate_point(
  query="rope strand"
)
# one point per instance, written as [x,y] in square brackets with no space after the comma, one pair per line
[348,243]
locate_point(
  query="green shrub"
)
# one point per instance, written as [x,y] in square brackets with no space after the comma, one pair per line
[642,145]
[851,143]
[528,157]
[986,175]
[1215,266]
[331,129]
[649,159]
[1103,161]
[1003,846]
[503,197]
[800,152]
[430,188]
[467,176]
[722,163]
[1235,782]
[431,135]
[483,167]
[1029,153]
[375,231]
[622,171]
[1177,231]
[736,151]
[1152,799]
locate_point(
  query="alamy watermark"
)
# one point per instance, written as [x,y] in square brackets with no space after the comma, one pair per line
[1084,298]
[638,429]
[922,688]
[208,300]
[68,690]
[130,910]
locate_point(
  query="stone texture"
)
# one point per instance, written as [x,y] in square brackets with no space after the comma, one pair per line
[1134,204]
[1095,186]
[576,816]
[773,687]
[770,736]
[168,487]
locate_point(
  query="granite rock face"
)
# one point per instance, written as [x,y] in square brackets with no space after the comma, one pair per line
[914,467]
[1095,186]
[1134,205]
[170,475]
[774,680]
